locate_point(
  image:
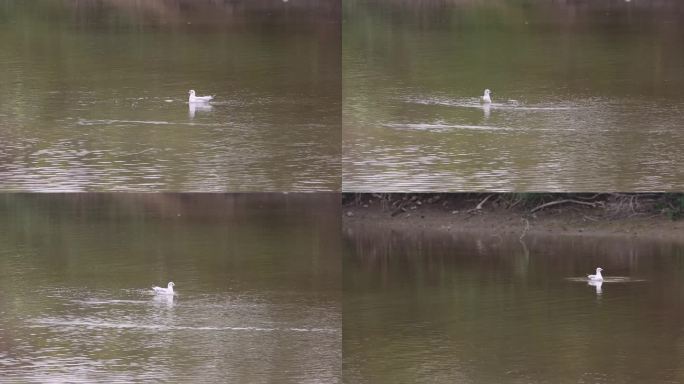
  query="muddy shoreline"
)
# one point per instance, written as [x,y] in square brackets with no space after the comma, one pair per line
[459,214]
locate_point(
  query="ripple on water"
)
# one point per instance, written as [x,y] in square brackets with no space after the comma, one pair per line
[610,279]
[96,323]
[445,127]
[513,105]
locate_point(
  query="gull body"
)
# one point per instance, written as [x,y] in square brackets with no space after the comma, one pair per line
[486,98]
[198,99]
[597,276]
[164,291]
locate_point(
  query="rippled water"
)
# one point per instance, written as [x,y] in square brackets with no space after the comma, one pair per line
[257,278]
[94,96]
[586,97]
[424,307]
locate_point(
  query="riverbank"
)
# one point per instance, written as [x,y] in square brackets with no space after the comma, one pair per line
[648,217]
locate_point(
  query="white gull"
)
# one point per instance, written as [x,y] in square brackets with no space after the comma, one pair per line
[198,99]
[164,291]
[597,276]
[486,98]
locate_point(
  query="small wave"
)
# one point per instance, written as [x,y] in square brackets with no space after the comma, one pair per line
[611,279]
[443,127]
[160,327]
[101,302]
[109,122]
[467,103]
[475,103]
[150,122]
[520,108]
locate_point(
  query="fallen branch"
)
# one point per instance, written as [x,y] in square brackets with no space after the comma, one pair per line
[479,206]
[515,203]
[565,201]
[399,210]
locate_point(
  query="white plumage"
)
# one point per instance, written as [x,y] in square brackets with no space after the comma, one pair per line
[164,291]
[198,99]
[597,276]
[486,98]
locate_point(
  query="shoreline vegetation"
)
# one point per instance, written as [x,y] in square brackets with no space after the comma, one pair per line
[650,216]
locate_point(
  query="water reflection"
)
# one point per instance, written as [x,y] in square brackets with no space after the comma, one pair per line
[95,95]
[589,94]
[598,285]
[470,308]
[202,107]
[487,110]
[165,300]
[258,281]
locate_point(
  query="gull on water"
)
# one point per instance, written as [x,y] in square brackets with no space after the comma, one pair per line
[198,99]
[597,276]
[486,98]
[164,291]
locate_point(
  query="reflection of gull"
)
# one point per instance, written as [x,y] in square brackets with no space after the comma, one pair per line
[164,291]
[597,284]
[486,108]
[597,276]
[164,299]
[202,107]
[486,98]
[198,99]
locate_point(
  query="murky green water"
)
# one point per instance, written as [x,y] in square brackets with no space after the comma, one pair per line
[586,95]
[257,276]
[93,95]
[470,309]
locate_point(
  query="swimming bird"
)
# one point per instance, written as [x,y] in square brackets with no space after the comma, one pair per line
[486,98]
[164,291]
[597,276]
[198,99]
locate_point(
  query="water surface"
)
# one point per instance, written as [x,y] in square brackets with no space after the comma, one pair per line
[257,276]
[93,95]
[478,309]
[586,96]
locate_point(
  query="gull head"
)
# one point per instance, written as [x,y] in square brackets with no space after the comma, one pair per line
[599,269]
[486,98]
[191,92]
[171,284]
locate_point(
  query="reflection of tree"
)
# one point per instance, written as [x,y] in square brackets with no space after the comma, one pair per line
[273,256]
[214,12]
[275,65]
[419,303]
[232,233]
[601,55]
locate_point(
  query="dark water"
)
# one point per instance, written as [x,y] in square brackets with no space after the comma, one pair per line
[257,276]
[469,309]
[586,95]
[93,95]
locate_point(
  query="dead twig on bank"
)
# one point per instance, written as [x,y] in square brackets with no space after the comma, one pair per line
[565,201]
[403,203]
[479,206]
